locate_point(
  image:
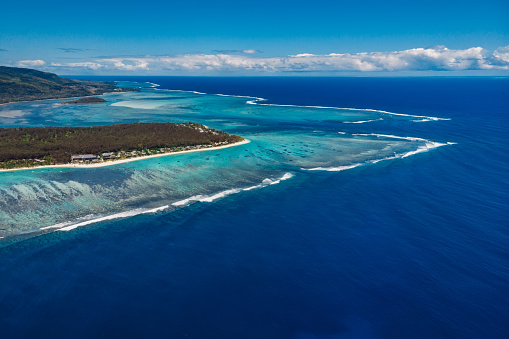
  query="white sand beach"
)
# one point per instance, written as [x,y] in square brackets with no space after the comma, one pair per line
[123,161]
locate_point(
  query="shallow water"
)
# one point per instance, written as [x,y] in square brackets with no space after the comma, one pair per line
[410,247]
[284,139]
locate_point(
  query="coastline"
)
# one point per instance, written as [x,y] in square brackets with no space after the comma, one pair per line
[16,102]
[62,98]
[123,161]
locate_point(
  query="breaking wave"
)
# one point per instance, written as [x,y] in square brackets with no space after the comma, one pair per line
[258,100]
[428,145]
[93,219]
[361,122]
[30,192]
[424,118]
[211,198]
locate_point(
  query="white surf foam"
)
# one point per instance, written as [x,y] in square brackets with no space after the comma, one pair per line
[153,85]
[157,209]
[284,177]
[334,169]
[180,90]
[206,198]
[429,118]
[429,145]
[211,198]
[239,96]
[60,225]
[398,114]
[92,219]
[257,101]
[105,218]
[390,136]
[361,122]
[252,187]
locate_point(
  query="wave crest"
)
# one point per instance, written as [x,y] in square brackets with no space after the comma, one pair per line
[429,145]
[92,219]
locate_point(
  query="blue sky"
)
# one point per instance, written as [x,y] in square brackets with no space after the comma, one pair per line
[262,37]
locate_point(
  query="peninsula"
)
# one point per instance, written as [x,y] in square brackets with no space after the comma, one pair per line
[27,147]
[24,84]
[84,101]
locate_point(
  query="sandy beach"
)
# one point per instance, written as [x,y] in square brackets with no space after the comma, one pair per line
[123,161]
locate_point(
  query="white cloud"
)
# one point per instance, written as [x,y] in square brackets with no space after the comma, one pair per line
[31,63]
[237,51]
[84,65]
[128,64]
[418,59]
[438,58]
[501,56]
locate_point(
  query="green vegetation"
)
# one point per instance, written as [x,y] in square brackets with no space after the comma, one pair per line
[35,146]
[83,101]
[23,84]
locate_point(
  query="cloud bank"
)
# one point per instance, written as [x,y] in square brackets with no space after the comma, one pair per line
[438,58]
[236,51]
[31,63]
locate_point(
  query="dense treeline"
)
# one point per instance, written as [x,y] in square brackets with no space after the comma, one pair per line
[87,100]
[24,84]
[55,145]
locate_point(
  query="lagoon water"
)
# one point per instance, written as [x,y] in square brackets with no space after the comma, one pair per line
[361,208]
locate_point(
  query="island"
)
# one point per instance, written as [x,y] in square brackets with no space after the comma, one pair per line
[24,84]
[28,147]
[84,101]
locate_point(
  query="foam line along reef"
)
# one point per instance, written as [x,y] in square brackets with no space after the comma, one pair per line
[258,101]
[93,219]
[283,139]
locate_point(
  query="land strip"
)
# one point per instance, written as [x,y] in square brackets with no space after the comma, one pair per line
[23,84]
[123,161]
[27,147]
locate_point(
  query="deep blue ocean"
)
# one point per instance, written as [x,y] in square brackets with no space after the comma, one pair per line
[416,247]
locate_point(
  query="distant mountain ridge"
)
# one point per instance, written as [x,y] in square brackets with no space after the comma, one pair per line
[24,84]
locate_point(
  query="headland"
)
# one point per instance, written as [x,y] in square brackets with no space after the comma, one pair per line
[36,147]
[24,84]
[84,101]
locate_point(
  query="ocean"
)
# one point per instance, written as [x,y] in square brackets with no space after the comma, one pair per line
[361,208]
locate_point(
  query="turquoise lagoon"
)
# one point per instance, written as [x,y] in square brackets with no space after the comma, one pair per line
[287,142]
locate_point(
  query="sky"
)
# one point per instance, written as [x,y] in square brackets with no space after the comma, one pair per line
[223,37]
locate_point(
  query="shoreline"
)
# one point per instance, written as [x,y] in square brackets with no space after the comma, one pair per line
[123,161]
[63,98]
[17,102]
